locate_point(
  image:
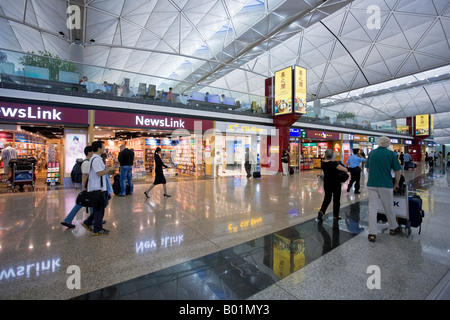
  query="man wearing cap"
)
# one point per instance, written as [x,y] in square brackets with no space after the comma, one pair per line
[353,164]
[379,165]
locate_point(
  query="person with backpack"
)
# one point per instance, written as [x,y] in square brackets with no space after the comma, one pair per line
[84,169]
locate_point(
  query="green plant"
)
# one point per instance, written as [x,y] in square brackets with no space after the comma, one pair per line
[346,115]
[52,62]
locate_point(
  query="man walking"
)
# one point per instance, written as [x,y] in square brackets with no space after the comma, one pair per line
[84,178]
[353,164]
[126,159]
[97,181]
[247,164]
[379,165]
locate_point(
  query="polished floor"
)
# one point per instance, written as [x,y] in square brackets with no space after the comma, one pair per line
[229,238]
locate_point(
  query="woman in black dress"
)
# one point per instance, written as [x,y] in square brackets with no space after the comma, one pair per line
[331,185]
[159,175]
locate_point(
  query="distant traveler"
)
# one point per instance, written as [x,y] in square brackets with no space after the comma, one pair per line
[380,163]
[159,175]
[126,160]
[224,160]
[8,153]
[247,164]
[353,164]
[331,185]
[285,162]
[408,159]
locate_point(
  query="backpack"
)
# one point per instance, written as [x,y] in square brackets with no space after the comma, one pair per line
[75,174]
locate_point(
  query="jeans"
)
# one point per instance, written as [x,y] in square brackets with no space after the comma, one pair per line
[126,175]
[97,214]
[74,212]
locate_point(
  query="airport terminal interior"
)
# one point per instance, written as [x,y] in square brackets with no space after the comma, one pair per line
[223,88]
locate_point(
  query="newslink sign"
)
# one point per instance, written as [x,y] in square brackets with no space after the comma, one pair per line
[39,113]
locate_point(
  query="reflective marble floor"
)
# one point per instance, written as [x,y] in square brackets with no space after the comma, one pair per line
[230,238]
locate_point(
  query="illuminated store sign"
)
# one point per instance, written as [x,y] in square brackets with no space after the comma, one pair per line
[316,134]
[133,120]
[245,128]
[38,113]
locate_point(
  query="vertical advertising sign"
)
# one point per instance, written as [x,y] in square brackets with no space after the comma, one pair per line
[283,91]
[422,125]
[299,90]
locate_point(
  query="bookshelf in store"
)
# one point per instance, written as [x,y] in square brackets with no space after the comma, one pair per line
[137,145]
[189,157]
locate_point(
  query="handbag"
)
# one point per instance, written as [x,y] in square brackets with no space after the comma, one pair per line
[93,199]
[342,176]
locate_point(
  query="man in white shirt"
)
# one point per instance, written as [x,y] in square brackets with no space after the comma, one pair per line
[97,181]
[84,178]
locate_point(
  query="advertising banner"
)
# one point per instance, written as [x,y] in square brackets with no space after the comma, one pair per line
[422,125]
[283,91]
[300,90]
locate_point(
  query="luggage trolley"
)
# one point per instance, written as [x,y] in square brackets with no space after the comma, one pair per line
[400,207]
[23,172]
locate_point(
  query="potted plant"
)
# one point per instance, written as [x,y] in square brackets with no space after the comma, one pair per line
[52,62]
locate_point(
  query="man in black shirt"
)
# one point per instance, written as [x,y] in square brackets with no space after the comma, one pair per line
[126,159]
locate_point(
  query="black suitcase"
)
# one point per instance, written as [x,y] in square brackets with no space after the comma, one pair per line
[256,174]
[291,171]
[116,185]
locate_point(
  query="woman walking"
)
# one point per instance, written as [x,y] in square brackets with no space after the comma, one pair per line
[331,184]
[159,175]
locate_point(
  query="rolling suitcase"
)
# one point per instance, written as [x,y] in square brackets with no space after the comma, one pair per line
[416,214]
[291,171]
[256,174]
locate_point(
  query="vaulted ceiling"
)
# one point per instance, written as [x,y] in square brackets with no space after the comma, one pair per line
[382,59]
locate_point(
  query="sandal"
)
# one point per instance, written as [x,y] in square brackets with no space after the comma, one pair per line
[372,237]
[145,192]
[395,231]
[336,218]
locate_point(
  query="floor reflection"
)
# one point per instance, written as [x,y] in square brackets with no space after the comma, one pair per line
[241,271]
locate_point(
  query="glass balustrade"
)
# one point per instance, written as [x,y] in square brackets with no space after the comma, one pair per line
[38,72]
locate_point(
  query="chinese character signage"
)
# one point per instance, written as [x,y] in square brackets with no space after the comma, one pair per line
[283,91]
[423,125]
[300,90]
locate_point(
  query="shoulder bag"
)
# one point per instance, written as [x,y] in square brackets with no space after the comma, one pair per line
[94,198]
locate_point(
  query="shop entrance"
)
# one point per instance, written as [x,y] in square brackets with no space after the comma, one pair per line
[184,154]
[232,150]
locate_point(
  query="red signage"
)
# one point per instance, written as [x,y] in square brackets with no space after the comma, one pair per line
[133,120]
[42,114]
[324,135]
